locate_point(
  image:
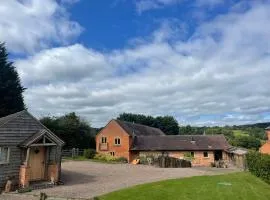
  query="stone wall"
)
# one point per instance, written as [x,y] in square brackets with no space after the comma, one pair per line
[198,160]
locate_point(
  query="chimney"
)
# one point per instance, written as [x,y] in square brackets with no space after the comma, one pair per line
[192,140]
[267,131]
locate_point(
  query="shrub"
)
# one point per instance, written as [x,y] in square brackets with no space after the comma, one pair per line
[89,153]
[104,157]
[122,160]
[258,164]
[143,160]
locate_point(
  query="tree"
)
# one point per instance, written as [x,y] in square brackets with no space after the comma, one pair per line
[11,90]
[76,132]
[248,142]
[167,124]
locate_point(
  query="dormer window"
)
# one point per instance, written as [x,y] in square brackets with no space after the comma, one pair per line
[117,141]
[103,140]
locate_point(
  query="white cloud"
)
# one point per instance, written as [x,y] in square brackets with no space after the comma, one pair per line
[223,68]
[144,5]
[31,25]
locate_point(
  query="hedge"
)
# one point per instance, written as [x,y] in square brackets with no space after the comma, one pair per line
[89,153]
[259,165]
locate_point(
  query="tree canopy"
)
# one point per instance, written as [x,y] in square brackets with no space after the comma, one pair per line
[11,90]
[167,124]
[75,132]
[247,136]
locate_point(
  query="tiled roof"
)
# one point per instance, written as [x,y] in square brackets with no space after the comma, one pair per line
[134,129]
[180,142]
[237,150]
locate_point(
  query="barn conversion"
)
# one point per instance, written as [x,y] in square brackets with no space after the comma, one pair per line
[28,151]
[131,140]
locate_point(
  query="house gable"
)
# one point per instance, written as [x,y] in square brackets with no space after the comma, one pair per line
[114,140]
[16,129]
[112,125]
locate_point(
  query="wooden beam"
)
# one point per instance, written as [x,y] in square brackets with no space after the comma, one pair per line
[27,156]
[45,144]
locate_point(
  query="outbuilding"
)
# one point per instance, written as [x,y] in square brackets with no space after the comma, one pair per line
[29,151]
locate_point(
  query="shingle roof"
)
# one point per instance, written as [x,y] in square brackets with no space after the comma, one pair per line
[134,129]
[180,142]
[4,120]
[268,128]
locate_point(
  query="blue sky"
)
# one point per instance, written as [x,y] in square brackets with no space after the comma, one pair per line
[206,62]
[114,24]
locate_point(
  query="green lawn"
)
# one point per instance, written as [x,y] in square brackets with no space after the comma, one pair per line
[235,186]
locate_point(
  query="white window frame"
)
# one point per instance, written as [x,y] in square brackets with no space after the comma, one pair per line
[207,154]
[117,139]
[105,138]
[8,155]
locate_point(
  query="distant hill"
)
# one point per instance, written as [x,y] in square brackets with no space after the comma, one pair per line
[256,125]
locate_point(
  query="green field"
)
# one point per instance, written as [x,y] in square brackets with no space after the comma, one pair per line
[240,133]
[236,186]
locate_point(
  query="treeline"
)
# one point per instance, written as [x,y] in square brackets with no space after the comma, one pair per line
[72,129]
[167,124]
[247,136]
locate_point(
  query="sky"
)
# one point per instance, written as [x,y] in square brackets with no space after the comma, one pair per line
[205,62]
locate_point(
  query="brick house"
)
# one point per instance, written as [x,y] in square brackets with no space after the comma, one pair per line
[131,140]
[266,147]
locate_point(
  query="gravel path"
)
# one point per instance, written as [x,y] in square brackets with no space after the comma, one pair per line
[84,179]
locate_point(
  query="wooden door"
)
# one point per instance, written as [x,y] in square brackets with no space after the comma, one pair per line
[37,163]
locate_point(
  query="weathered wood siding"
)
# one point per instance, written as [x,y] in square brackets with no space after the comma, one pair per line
[11,134]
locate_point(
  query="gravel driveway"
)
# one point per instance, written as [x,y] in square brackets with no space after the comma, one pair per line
[85,179]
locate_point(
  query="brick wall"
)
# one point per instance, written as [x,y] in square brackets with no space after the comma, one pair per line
[112,131]
[266,147]
[53,173]
[24,176]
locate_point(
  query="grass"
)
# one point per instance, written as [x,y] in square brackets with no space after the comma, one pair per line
[235,186]
[82,158]
[238,133]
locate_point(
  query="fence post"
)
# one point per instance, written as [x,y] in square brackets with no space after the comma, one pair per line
[73,152]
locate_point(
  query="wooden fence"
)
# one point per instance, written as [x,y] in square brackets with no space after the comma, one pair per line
[72,153]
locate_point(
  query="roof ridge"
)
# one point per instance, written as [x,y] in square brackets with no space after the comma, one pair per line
[137,124]
[11,117]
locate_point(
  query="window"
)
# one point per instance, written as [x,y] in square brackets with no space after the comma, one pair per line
[117,141]
[205,154]
[4,154]
[112,153]
[192,154]
[103,140]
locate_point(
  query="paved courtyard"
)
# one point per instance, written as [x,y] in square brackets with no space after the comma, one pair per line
[85,179]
